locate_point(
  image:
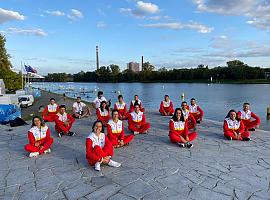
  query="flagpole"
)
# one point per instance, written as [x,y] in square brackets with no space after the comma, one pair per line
[22,73]
[24,76]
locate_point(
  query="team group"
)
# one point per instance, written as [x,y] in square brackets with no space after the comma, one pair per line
[99,146]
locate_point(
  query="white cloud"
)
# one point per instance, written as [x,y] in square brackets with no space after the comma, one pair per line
[257,11]
[101,25]
[142,9]
[178,26]
[75,14]
[8,15]
[57,13]
[33,32]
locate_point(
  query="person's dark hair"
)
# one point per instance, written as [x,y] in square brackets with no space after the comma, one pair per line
[174,118]
[183,102]
[41,120]
[246,103]
[192,99]
[136,103]
[62,106]
[136,95]
[52,99]
[98,121]
[100,93]
[79,98]
[232,110]
[166,95]
[114,110]
[119,96]
[101,108]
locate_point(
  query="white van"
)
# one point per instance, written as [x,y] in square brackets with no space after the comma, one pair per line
[26,100]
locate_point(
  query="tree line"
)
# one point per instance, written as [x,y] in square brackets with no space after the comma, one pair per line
[235,70]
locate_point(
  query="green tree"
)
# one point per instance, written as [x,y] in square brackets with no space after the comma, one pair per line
[148,67]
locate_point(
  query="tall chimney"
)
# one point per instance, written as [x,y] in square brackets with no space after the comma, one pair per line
[97,58]
[142,62]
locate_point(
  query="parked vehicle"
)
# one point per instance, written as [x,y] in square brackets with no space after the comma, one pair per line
[26,100]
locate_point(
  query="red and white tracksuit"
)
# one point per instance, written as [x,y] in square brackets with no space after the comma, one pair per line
[179,128]
[41,136]
[103,116]
[196,111]
[49,112]
[137,122]
[122,110]
[60,122]
[231,126]
[131,107]
[166,107]
[97,148]
[116,132]
[191,121]
[246,119]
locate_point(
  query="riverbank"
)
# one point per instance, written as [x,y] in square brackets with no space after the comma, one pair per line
[44,99]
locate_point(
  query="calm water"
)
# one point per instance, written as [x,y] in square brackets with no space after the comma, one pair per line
[215,99]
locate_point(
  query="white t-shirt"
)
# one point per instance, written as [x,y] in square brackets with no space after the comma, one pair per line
[78,106]
[97,101]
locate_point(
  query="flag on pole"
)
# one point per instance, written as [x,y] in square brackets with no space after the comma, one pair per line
[30,69]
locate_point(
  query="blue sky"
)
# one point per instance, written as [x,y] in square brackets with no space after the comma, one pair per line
[61,35]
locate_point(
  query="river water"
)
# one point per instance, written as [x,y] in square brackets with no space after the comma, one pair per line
[215,99]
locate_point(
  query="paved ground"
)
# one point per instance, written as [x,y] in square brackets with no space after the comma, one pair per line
[152,168]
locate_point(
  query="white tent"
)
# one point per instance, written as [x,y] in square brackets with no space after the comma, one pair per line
[2,87]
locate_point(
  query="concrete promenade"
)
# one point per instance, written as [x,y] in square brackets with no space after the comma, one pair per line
[152,167]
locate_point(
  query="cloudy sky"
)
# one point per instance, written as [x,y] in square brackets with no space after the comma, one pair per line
[61,35]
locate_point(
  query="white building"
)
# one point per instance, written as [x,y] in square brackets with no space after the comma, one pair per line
[134,66]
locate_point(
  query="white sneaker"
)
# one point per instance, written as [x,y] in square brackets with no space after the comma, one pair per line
[136,133]
[33,154]
[97,166]
[47,151]
[114,164]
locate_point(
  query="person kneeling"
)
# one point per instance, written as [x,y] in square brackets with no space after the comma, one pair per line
[99,149]
[137,122]
[116,132]
[166,106]
[39,137]
[80,110]
[63,122]
[179,130]
[234,128]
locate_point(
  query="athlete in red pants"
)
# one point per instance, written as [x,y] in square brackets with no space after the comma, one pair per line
[246,116]
[137,122]
[39,137]
[191,121]
[116,132]
[166,106]
[99,148]
[63,122]
[137,101]
[103,113]
[179,130]
[50,111]
[122,108]
[234,128]
[195,110]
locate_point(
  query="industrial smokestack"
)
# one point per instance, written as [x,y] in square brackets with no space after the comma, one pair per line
[142,62]
[97,58]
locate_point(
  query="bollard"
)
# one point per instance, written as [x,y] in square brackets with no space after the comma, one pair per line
[183,96]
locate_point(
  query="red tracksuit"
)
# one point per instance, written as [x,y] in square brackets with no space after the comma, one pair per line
[196,111]
[60,125]
[231,126]
[166,107]
[131,107]
[104,116]
[39,135]
[191,121]
[179,128]
[116,132]
[139,120]
[122,110]
[97,148]
[49,112]
[246,119]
